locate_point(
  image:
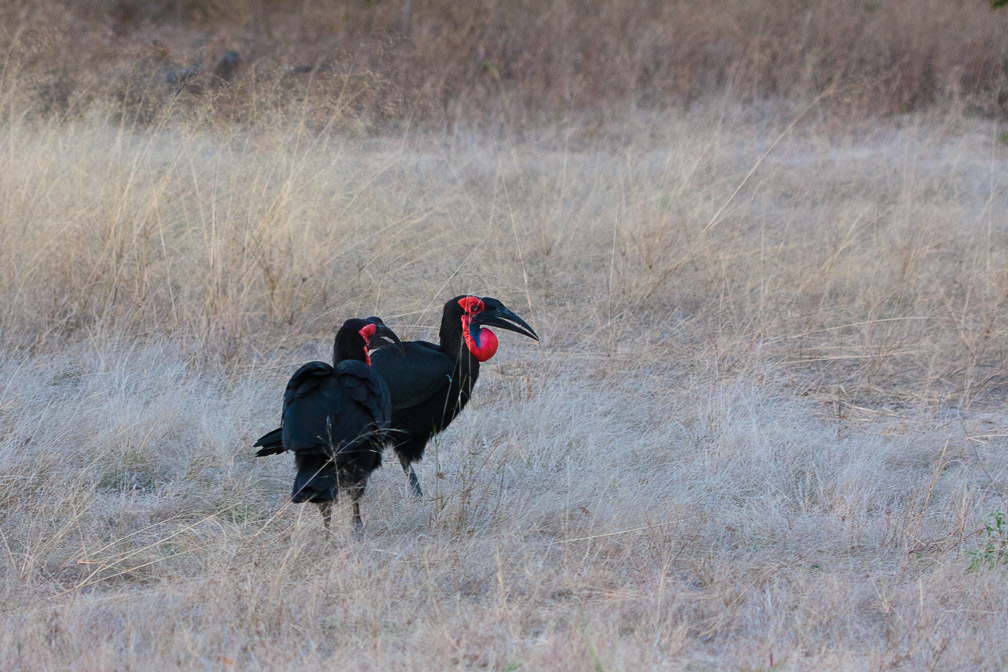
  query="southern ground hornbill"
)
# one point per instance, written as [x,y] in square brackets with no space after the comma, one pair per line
[335,419]
[431,384]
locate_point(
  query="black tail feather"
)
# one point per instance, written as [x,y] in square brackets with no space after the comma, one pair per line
[271,442]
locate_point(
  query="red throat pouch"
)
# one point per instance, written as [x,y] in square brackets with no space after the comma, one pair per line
[482,343]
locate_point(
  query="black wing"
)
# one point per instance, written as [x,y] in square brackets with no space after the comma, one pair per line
[334,410]
[367,390]
[311,403]
[418,376]
[310,392]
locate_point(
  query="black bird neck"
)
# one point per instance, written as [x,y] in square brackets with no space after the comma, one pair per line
[453,345]
[349,345]
[450,334]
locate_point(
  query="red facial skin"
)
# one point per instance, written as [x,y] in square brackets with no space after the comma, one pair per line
[471,304]
[366,332]
[483,345]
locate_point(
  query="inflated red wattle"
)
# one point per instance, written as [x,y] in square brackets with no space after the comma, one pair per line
[366,332]
[482,343]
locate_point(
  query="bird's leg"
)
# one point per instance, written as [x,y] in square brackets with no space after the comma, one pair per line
[414,484]
[326,509]
[358,524]
[411,475]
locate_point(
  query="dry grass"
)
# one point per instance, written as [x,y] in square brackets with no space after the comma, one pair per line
[373,65]
[762,429]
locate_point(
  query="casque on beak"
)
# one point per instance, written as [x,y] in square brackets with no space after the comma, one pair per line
[496,314]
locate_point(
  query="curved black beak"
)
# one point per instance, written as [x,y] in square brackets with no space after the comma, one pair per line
[384,337]
[496,314]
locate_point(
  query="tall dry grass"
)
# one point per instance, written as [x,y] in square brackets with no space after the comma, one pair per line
[762,431]
[376,65]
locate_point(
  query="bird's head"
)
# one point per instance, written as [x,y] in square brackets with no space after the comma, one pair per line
[357,337]
[472,314]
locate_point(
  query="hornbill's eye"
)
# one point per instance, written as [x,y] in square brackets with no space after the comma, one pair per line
[471,304]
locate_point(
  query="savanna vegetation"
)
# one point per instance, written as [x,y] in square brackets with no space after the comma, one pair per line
[765,246]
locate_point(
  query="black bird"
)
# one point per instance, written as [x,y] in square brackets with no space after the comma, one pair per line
[433,383]
[335,419]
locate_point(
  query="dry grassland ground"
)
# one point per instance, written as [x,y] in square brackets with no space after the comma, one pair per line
[763,430]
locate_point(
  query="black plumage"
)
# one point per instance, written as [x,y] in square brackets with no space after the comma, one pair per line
[431,384]
[335,418]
